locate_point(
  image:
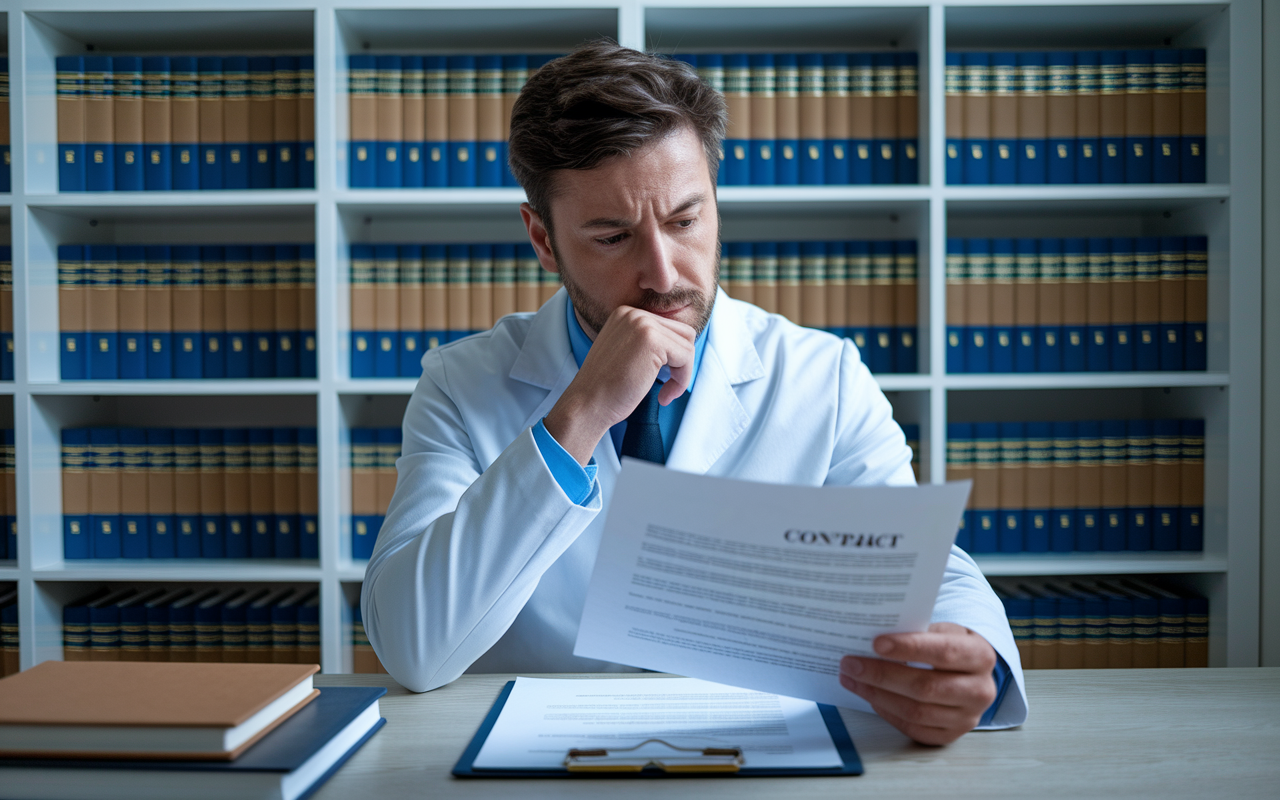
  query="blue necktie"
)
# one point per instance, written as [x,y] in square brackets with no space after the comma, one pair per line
[643,437]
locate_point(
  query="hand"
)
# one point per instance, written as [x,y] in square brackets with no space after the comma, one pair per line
[616,375]
[934,706]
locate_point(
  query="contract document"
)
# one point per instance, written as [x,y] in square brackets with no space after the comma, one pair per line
[543,718]
[763,586]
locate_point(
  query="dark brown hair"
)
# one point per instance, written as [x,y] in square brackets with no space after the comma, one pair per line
[604,100]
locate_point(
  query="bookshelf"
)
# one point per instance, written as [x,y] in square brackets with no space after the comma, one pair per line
[1227,396]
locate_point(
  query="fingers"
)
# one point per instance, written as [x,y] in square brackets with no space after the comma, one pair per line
[928,714]
[940,687]
[944,646]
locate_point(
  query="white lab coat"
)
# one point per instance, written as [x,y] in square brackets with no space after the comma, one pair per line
[483,562]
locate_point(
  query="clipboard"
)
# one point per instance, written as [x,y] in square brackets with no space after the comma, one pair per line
[851,764]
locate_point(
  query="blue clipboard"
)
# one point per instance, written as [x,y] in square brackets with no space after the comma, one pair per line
[851,764]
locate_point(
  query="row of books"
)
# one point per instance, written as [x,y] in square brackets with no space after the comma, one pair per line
[373,480]
[409,298]
[1105,623]
[6,180]
[256,625]
[134,312]
[8,630]
[1110,116]
[1080,486]
[911,432]
[8,497]
[862,290]
[133,123]
[364,661]
[814,118]
[1077,304]
[189,493]
[6,313]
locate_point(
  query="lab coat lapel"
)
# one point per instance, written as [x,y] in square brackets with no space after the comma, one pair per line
[546,359]
[715,416]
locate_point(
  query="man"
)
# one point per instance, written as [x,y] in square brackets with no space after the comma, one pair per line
[512,438]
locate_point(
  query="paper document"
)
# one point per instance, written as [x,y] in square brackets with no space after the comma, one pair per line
[543,718]
[760,585]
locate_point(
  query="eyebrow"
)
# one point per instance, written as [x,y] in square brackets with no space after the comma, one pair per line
[615,222]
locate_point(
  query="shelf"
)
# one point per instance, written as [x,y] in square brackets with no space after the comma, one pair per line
[351,574]
[1076,196]
[7,388]
[405,386]
[9,571]
[240,200]
[194,570]
[1097,563]
[1087,380]
[264,386]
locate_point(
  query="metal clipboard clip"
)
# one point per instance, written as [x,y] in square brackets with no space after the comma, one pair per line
[655,754]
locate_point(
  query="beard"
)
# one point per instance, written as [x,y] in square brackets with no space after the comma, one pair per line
[596,314]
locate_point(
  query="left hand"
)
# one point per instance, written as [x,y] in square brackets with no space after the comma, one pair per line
[934,706]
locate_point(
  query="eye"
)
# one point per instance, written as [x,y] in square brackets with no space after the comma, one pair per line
[685,223]
[617,237]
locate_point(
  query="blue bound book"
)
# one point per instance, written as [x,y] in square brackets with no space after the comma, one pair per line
[213,536]
[1191,513]
[364,527]
[813,149]
[1088,148]
[737,151]
[491,140]
[362,338]
[787,152]
[133,493]
[1061,150]
[308,461]
[262,169]
[1140,456]
[978,270]
[884,158]
[908,167]
[1049,341]
[1075,270]
[1037,517]
[286,130]
[127,107]
[1137,141]
[957,273]
[235,464]
[235,145]
[986,464]
[764,82]
[71,91]
[1062,537]
[1166,457]
[954,83]
[262,523]
[1123,330]
[1004,141]
[184,87]
[262,260]
[103,302]
[1033,165]
[186,465]
[1113,81]
[211,152]
[978,81]
[77,461]
[1195,347]
[1191,163]
[1146,272]
[462,151]
[133,626]
[1026,279]
[237,338]
[1098,332]
[104,509]
[413,89]
[1166,80]
[284,463]
[287,336]
[1115,457]
[307,353]
[213,284]
[960,457]
[515,69]
[159,288]
[362,153]
[99,170]
[188,343]
[1011,537]
[436,77]
[905,346]
[1173,275]
[161,533]
[1089,455]
[306,127]
[389,147]
[1003,272]
[386,340]
[73,353]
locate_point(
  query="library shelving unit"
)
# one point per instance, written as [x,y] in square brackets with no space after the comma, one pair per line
[1226,208]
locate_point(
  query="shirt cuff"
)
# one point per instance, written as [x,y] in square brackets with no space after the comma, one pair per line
[1003,677]
[575,480]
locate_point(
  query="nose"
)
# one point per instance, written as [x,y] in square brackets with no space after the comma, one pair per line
[657,270]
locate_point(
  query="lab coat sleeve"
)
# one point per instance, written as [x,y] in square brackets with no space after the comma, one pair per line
[461,550]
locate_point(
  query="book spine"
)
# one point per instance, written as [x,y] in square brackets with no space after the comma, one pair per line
[207,633]
[306,151]
[905,307]
[235,123]
[284,477]
[884,162]
[490,135]
[1111,115]
[104,492]
[262,313]
[481,311]
[813,120]
[1088,487]
[977,118]
[235,487]
[883,322]
[1004,104]
[789,299]
[1146,631]
[99,124]
[182,630]
[285,108]
[188,344]
[1098,305]
[1191,163]
[386,325]
[462,121]
[986,487]
[1166,493]
[836,156]
[213,489]
[308,461]
[262,123]
[409,279]
[1196,642]
[262,522]
[1173,632]
[957,305]
[158,314]
[76,469]
[258,633]
[1003,309]
[1075,304]
[157,632]
[1060,118]
[161,542]
[764,119]
[435,317]
[210,112]
[1123,305]
[908,162]
[362,300]
[1097,631]
[1115,485]
[186,493]
[1191,513]
[836,288]
[103,312]
[237,280]
[213,310]
[6,313]
[308,644]
[1046,620]
[307,354]
[1146,303]
[1011,537]
[1166,116]
[287,323]
[1071,627]
[1037,515]
[71,101]
[1121,617]
[978,273]
[1140,478]
[389,115]
[787,103]
[736,280]
[738,139]
[1032,118]
[127,131]
[1138,116]
[857,297]
[133,493]
[185,115]
[1088,117]
[73,313]
[1026,277]
[413,87]
[104,632]
[515,70]
[954,82]
[458,291]
[1064,489]
[1196,337]
[813,284]
[960,468]
[364,494]
[764,276]
[436,105]
[1173,302]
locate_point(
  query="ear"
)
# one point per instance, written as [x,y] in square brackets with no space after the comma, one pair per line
[539,237]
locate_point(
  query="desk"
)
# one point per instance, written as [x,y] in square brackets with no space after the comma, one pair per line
[1116,733]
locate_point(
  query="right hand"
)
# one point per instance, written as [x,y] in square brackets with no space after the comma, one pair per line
[623,363]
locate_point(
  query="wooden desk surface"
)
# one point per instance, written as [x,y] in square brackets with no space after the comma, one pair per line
[1113,733]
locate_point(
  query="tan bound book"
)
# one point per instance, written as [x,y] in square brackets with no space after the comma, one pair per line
[835,290]
[434,316]
[789,300]
[262,111]
[957,271]
[787,88]
[813,286]
[458,288]
[1003,267]
[435,106]
[481,310]
[362,293]
[862,93]
[389,108]
[504,284]
[1004,106]
[1098,288]
[1088,472]
[882,305]
[409,279]
[412,95]
[858,292]
[386,296]
[884,105]
[132,710]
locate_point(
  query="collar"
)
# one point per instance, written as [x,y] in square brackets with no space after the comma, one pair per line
[581,345]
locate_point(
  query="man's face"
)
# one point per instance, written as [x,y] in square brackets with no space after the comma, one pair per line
[639,230]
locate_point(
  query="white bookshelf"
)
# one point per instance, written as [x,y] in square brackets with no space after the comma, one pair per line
[1226,208]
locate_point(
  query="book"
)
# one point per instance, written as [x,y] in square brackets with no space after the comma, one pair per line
[1173,305]
[187,304]
[1060,118]
[1138,116]
[1098,304]
[789,299]
[1003,311]
[1146,275]
[235,123]
[953,90]
[128,710]
[977,118]
[1191,161]
[99,124]
[1032,118]
[436,110]
[787,124]
[262,123]
[213,310]
[764,119]
[389,121]
[306,149]
[957,334]
[1075,304]
[435,291]
[458,291]
[1112,106]
[515,70]
[862,92]
[978,317]
[184,108]
[1123,305]
[1026,279]
[1004,102]
[1064,492]
[102,317]
[1166,116]
[1088,486]
[908,163]
[812,119]
[9,634]
[836,288]
[1191,524]
[1011,537]
[462,121]
[262,313]
[364,660]
[386,326]
[127,111]
[366,517]
[1088,117]
[210,111]
[286,337]
[71,101]
[738,139]
[490,133]
[413,87]
[1195,336]
[285,123]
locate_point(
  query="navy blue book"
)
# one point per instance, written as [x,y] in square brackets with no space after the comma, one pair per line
[212,276]
[1137,144]
[262,258]
[908,169]
[71,89]
[128,155]
[1061,150]
[435,70]
[1004,149]
[284,459]
[286,89]
[960,457]
[986,461]
[1011,537]
[99,170]
[211,151]
[74,340]
[307,316]
[884,161]
[235,521]
[184,86]
[1037,517]
[103,297]
[188,344]
[1140,452]
[286,339]
[261,100]
[957,330]
[763,84]
[361,350]
[1003,269]
[954,87]
[1166,75]
[1195,337]
[235,149]
[1173,274]
[1098,333]
[737,152]
[1123,334]
[76,457]
[1191,163]
[160,522]
[104,449]
[1191,522]
[213,539]
[307,128]
[1088,148]
[308,459]
[978,268]
[386,343]
[1113,82]
[1032,82]
[1166,455]
[976,152]
[1062,537]
[132,276]
[159,281]
[812,148]
[329,729]
[388,153]
[261,464]
[133,522]
[1115,453]
[787,152]
[1075,269]
[490,149]
[1026,275]
[1088,454]
[186,459]
[1146,270]
[462,152]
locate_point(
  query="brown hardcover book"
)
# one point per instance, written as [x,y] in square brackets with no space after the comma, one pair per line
[364,660]
[764,279]
[436,112]
[132,304]
[953,87]
[1012,475]
[1088,106]
[1026,286]
[284,486]
[835,100]
[285,109]
[73,299]
[1039,479]
[75,486]
[905,297]
[1047,643]
[1004,109]
[489,128]
[1075,291]
[1115,474]
[513,78]
[1146,290]
[286,297]
[813,112]
[1098,292]
[237,287]
[1166,474]
[262,298]
[127,111]
[957,272]
[306,93]
[481,311]
[210,115]
[262,112]
[213,296]
[182,635]
[1071,632]
[133,490]
[1088,475]
[1097,639]
[70,109]
[740,273]
[145,710]
[384,461]
[986,473]
[75,636]
[1166,103]
[960,462]
[1138,107]
[1171,638]
[213,488]
[103,307]
[1197,286]
[1173,286]
[434,294]
[307,299]
[884,111]
[462,110]
[882,295]
[813,289]
[413,89]
[1196,640]
[235,114]
[858,295]
[1061,106]
[1003,267]
[789,300]
[1112,102]
[409,279]
[1146,632]
[104,485]
[186,303]
[160,489]
[909,106]
[159,301]
[862,104]
[363,297]
[262,500]
[977,101]
[764,108]
[979,272]
[737,99]
[1123,296]
[1192,471]
[836,291]
[389,109]
[186,502]
[787,92]
[1033,112]
[1140,473]
[1192,99]
[308,651]
[235,488]
[364,480]
[99,113]
[504,284]
[458,289]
